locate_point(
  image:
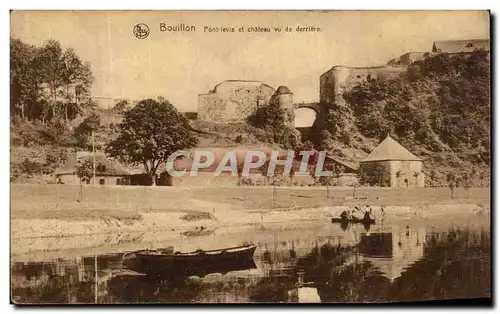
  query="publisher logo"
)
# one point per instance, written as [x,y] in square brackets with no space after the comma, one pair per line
[141,31]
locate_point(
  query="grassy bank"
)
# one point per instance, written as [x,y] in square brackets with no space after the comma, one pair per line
[311,197]
[51,200]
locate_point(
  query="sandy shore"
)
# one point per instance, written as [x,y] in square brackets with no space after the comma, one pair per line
[35,235]
[57,218]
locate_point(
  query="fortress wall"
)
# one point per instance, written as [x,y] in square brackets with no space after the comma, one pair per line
[410,57]
[340,79]
[210,107]
[247,99]
[227,87]
[233,101]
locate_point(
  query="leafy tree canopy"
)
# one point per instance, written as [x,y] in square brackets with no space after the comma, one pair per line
[274,128]
[149,133]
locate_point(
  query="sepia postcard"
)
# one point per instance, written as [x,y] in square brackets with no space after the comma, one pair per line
[250,157]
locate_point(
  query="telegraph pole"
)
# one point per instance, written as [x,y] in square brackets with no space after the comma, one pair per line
[96,281]
[93,158]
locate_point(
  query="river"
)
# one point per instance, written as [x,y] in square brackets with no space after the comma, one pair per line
[302,261]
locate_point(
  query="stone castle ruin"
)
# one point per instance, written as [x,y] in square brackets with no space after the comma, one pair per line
[234,101]
[339,79]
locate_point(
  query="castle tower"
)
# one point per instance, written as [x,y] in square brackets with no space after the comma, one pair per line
[284,98]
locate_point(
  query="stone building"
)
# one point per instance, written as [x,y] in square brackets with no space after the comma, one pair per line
[283,97]
[108,172]
[443,46]
[233,101]
[460,46]
[391,165]
[408,58]
[337,80]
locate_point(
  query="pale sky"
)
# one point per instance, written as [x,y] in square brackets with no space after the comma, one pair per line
[181,65]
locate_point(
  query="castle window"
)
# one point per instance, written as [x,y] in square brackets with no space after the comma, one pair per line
[358,76]
[101,181]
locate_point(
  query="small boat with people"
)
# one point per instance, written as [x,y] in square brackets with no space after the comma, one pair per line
[166,263]
[348,217]
[353,220]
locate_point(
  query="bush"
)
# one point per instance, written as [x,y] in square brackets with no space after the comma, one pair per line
[30,167]
[374,174]
[55,157]
[35,133]
[197,216]
[246,181]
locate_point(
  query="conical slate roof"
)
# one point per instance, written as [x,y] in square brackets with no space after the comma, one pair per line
[389,149]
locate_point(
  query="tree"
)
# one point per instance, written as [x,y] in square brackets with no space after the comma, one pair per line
[328,181]
[121,106]
[46,79]
[149,133]
[239,169]
[374,174]
[271,178]
[433,177]
[50,60]
[25,80]
[76,79]
[451,181]
[467,182]
[337,171]
[481,177]
[82,132]
[85,169]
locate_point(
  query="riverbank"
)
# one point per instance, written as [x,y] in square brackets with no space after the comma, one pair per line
[311,228]
[53,217]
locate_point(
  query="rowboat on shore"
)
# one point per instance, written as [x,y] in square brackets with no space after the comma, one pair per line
[162,263]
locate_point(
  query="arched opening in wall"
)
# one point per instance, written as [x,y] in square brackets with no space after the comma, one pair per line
[304,117]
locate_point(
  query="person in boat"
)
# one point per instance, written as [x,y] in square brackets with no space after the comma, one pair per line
[350,214]
[344,215]
[367,216]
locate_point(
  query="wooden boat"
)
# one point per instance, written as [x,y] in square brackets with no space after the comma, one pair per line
[199,263]
[353,220]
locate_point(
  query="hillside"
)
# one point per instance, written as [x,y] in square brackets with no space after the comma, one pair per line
[439,109]
[211,134]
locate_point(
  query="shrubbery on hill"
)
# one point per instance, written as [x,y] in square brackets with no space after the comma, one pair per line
[441,104]
[439,109]
[271,124]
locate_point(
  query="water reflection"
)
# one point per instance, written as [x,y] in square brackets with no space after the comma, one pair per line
[395,264]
